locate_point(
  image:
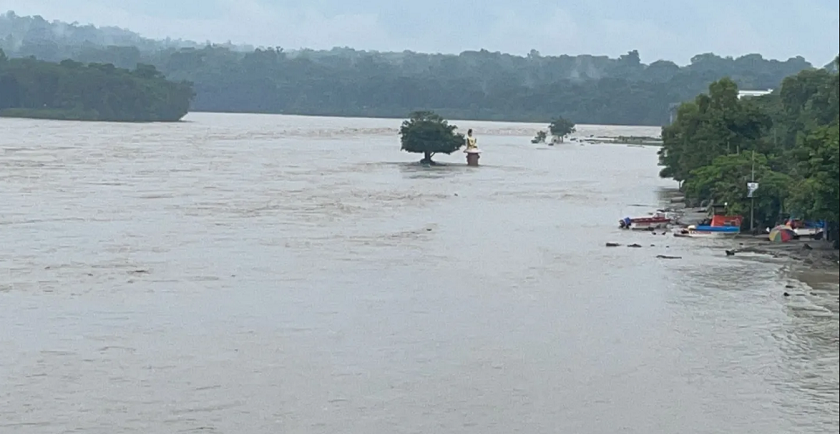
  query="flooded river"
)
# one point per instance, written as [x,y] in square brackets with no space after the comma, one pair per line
[271,274]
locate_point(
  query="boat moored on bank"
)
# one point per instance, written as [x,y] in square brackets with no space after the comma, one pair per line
[706,231]
[658,220]
[719,225]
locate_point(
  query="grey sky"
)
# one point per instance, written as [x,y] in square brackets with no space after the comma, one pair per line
[659,29]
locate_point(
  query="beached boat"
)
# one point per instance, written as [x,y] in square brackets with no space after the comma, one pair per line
[807,229]
[658,220]
[719,226]
[706,231]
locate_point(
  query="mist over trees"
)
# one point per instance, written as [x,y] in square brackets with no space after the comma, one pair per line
[346,82]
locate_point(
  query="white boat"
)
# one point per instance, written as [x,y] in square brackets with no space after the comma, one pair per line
[805,229]
[807,232]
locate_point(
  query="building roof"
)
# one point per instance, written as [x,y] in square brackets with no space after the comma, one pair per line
[743,93]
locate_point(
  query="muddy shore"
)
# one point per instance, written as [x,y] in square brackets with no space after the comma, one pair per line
[814,262]
[814,254]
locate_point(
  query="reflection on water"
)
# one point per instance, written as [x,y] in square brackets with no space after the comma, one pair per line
[262,274]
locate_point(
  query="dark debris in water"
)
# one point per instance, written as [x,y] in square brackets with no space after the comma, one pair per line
[668,257]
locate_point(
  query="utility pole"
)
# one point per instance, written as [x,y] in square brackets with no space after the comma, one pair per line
[752,197]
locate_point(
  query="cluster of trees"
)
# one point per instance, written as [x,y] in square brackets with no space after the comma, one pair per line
[788,139]
[346,82]
[74,91]
[426,132]
[559,129]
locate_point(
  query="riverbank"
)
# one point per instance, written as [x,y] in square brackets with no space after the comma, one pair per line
[628,140]
[814,254]
[809,257]
[72,115]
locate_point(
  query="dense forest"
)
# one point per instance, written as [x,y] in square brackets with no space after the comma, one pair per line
[789,137]
[72,90]
[346,82]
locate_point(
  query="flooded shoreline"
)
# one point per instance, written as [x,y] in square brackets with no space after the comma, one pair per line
[270,274]
[813,260]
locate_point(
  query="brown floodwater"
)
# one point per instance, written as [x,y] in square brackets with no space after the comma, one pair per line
[279,274]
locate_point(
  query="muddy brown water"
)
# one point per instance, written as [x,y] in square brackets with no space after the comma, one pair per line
[265,274]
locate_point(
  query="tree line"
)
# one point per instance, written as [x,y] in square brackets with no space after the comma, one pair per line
[788,139]
[479,85]
[72,90]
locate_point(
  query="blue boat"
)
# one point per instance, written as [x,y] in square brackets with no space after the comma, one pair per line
[718,229]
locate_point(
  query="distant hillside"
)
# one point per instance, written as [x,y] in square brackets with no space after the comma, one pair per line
[19,34]
[348,82]
[57,40]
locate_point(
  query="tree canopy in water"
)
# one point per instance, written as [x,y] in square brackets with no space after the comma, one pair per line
[427,133]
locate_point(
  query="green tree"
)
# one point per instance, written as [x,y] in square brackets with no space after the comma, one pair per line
[714,124]
[427,133]
[560,128]
[809,108]
[793,134]
[540,137]
[817,194]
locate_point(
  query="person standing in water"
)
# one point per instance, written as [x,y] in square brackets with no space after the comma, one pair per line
[471,141]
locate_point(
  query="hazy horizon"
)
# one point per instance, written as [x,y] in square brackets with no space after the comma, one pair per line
[658,29]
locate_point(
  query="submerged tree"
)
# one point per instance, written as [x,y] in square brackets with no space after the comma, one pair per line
[560,128]
[425,132]
[540,137]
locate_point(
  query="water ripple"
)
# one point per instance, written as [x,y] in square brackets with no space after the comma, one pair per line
[263,274]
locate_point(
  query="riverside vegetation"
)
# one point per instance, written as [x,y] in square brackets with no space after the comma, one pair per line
[790,137]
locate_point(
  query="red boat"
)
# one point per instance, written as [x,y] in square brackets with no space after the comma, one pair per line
[659,220]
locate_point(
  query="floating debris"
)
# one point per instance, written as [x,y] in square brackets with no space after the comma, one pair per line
[668,257]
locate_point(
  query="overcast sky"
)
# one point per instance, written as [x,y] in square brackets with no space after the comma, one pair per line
[659,29]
